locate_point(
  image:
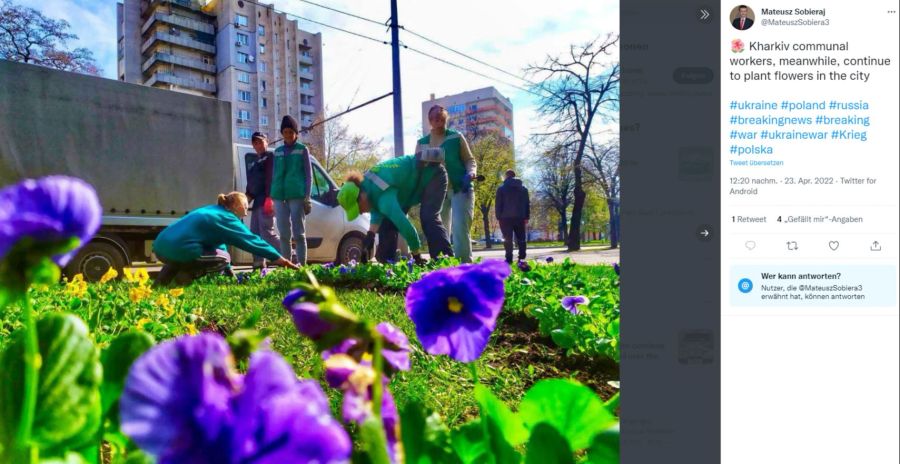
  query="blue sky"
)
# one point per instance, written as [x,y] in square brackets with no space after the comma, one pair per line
[507,34]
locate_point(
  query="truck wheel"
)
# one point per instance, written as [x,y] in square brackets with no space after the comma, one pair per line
[351,248]
[94,259]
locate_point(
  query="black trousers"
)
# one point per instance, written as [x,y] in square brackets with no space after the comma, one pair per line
[211,262]
[509,228]
[430,213]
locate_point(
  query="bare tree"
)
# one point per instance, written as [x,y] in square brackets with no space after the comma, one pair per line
[556,183]
[28,36]
[603,166]
[575,91]
[342,150]
[493,156]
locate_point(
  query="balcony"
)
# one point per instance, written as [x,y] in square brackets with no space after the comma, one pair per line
[179,60]
[181,21]
[177,40]
[305,75]
[305,59]
[308,92]
[169,78]
[307,108]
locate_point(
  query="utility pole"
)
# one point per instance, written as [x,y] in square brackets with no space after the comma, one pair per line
[398,101]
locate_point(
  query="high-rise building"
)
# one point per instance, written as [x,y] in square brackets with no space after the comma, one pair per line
[234,50]
[474,113]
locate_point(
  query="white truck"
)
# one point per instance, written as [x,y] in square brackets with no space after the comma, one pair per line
[152,155]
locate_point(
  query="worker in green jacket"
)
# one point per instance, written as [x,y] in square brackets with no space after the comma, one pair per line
[195,244]
[459,205]
[388,191]
[291,190]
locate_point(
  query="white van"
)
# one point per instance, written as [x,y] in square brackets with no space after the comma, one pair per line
[329,236]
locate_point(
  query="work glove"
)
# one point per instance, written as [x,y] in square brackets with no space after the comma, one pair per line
[269,206]
[368,245]
[467,183]
[307,206]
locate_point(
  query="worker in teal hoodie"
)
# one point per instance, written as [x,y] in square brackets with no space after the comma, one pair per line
[388,191]
[195,244]
[291,190]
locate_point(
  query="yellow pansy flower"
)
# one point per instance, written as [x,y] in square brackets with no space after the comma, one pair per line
[176,292]
[110,274]
[138,293]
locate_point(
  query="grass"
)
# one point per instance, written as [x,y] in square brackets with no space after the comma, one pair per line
[517,356]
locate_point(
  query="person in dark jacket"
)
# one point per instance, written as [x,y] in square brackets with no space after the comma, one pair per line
[259,183]
[513,209]
[195,244]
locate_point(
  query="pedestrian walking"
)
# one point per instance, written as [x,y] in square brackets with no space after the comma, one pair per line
[459,204]
[513,209]
[291,189]
[260,167]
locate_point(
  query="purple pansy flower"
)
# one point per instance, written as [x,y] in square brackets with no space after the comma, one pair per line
[49,209]
[343,269]
[306,315]
[355,379]
[455,309]
[328,266]
[549,259]
[353,263]
[571,303]
[397,359]
[184,403]
[523,265]
[389,272]
[410,263]
[264,272]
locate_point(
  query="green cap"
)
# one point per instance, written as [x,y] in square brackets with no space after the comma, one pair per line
[347,197]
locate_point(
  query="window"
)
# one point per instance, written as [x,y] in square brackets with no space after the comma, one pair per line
[243,39]
[304,85]
[261,31]
[243,57]
[305,53]
[264,102]
[305,69]
[244,95]
[243,115]
[263,85]
[244,133]
[244,77]
[263,120]
[320,186]
[262,48]
[473,107]
[262,66]
[240,20]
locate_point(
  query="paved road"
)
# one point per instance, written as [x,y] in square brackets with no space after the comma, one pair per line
[588,255]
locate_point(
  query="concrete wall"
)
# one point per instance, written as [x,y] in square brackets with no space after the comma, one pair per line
[142,148]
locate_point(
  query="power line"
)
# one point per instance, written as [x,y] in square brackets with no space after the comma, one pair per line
[344,12]
[458,66]
[464,55]
[363,36]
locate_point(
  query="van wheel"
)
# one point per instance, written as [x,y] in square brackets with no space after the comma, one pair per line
[351,248]
[94,259]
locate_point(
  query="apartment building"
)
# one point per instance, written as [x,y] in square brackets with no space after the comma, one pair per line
[474,113]
[245,53]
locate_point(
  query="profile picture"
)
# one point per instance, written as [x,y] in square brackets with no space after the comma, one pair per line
[742,17]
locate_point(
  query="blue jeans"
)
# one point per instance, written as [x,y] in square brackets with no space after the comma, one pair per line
[456,215]
[263,225]
[291,222]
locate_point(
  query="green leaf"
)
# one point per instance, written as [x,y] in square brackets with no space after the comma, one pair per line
[547,446]
[244,342]
[425,439]
[605,447]
[117,360]
[69,458]
[563,338]
[68,395]
[468,442]
[509,424]
[374,441]
[573,409]
[251,320]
